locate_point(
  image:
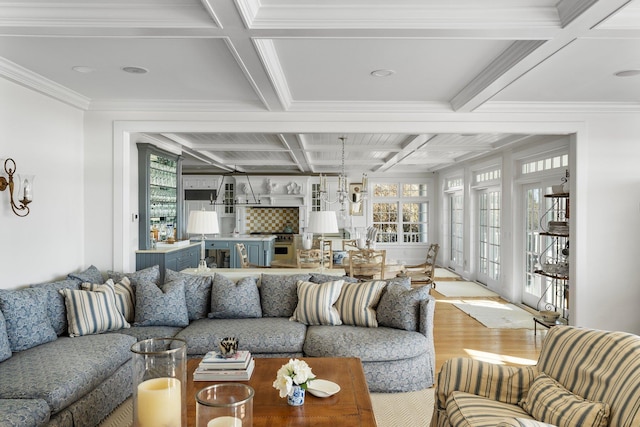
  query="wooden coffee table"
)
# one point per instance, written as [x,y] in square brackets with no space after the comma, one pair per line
[351,406]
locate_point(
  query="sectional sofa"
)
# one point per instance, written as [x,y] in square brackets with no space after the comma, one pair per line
[65,346]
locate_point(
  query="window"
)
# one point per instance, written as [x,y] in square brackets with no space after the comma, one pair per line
[456,237]
[228,198]
[545,164]
[401,212]
[315,198]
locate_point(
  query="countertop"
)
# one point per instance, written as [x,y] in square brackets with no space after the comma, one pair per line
[243,237]
[165,249]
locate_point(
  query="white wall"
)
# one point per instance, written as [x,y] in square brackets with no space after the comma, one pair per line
[45,138]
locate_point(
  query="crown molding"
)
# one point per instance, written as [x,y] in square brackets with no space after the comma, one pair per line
[34,81]
[463,14]
[171,105]
[369,107]
[560,107]
[106,14]
[568,10]
[269,57]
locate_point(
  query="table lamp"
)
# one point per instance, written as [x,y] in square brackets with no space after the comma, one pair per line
[203,222]
[321,222]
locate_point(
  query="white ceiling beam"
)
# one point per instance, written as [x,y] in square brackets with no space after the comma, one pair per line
[409,147]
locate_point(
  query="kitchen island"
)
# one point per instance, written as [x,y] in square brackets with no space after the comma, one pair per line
[260,248]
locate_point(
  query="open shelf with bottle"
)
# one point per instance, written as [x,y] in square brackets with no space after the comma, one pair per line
[158,189]
[553,262]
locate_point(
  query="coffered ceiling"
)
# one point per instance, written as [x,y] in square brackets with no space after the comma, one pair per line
[307,56]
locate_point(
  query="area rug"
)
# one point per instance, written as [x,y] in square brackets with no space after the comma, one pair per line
[496,314]
[445,274]
[390,409]
[461,288]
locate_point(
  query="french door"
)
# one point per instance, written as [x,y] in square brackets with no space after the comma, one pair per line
[489,222]
[456,231]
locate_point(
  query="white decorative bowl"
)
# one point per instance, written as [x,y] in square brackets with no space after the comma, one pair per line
[549,316]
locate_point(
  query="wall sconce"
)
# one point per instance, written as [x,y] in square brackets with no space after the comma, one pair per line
[27,190]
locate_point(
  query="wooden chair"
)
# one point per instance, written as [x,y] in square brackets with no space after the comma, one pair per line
[243,257]
[367,263]
[349,245]
[424,272]
[328,251]
[309,258]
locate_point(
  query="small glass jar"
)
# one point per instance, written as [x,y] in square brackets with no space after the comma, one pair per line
[160,382]
[225,405]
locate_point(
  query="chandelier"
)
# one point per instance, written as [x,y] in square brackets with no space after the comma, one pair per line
[342,193]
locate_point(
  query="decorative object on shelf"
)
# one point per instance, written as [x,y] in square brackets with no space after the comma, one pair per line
[322,222]
[293,188]
[292,380]
[228,346]
[225,405]
[271,186]
[159,382]
[342,194]
[203,222]
[549,316]
[26,188]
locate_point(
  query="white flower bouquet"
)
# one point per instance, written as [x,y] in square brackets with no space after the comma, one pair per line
[296,372]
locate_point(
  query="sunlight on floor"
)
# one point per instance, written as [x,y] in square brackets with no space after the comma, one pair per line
[498,359]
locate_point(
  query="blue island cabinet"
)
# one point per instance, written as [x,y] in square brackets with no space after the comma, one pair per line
[259,249]
[175,259]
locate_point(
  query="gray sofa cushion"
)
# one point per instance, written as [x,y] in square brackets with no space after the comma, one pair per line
[56,309]
[369,344]
[64,370]
[142,333]
[25,314]
[23,412]
[197,290]
[267,335]
[90,275]
[164,306]
[279,294]
[5,347]
[234,300]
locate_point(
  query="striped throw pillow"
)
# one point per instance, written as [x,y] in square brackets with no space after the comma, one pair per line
[357,303]
[125,295]
[549,402]
[315,303]
[93,312]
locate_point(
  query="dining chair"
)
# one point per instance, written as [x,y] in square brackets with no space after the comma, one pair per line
[426,270]
[309,258]
[243,257]
[367,263]
[350,245]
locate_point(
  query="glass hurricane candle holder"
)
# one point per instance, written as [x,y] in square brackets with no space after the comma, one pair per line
[225,405]
[159,383]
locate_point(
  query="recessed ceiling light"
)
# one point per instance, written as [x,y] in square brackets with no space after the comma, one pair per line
[83,69]
[135,70]
[627,73]
[382,73]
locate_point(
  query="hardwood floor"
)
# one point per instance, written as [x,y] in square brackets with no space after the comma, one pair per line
[458,334]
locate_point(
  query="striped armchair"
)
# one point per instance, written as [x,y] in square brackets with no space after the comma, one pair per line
[583,377]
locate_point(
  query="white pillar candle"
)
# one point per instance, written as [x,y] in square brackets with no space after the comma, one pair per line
[225,422]
[160,403]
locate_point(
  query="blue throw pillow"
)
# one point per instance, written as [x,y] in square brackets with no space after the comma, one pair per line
[25,314]
[5,347]
[56,309]
[231,300]
[161,307]
[279,293]
[399,307]
[197,291]
[150,274]
[91,275]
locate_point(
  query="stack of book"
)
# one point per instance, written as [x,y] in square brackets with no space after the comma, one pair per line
[215,367]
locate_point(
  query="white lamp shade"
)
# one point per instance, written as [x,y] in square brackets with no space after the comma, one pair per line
[323,222]
[203,222]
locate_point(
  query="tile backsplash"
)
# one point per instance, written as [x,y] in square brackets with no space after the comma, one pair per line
[271,220]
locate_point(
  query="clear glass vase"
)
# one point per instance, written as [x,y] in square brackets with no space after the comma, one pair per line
[160,383]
